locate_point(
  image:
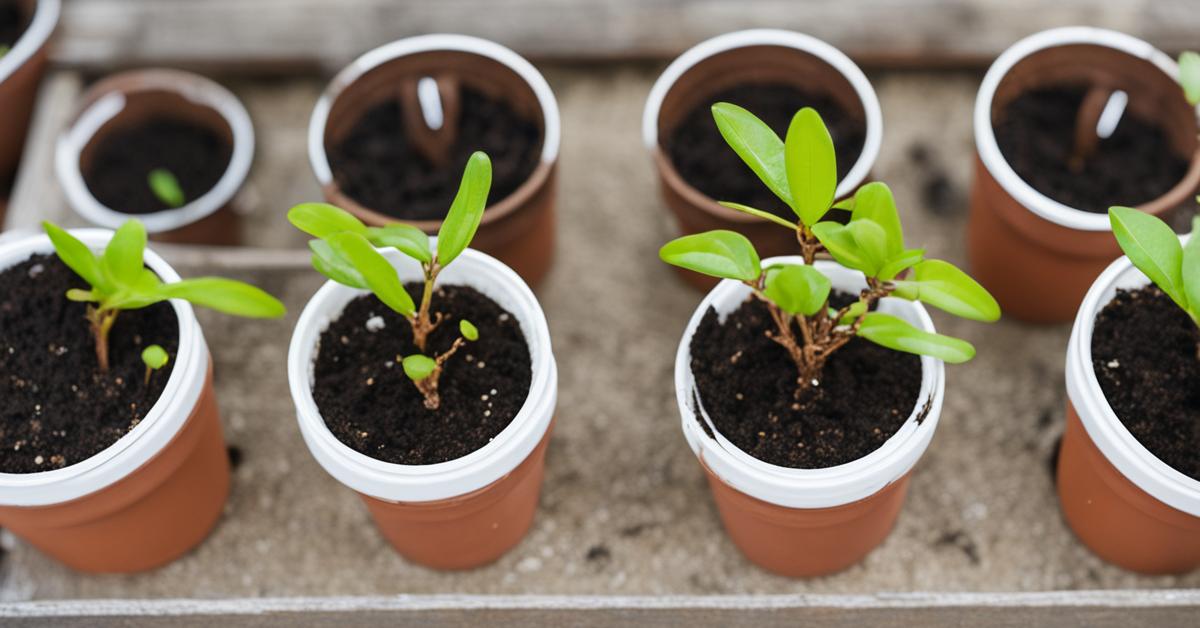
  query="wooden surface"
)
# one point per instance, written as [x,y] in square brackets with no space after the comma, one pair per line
[302,34]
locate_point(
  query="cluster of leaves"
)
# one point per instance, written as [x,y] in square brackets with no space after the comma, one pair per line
[345,251]
[802,171]
[1155,249]
[118,280]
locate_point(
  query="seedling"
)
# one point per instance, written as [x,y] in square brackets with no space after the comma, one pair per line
[1155,249]
[154,357]
[345,252]
[1189,76]
[119,281]
[802,171]
[166,187]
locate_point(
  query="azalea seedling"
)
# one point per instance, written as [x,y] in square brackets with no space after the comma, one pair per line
[166,187]
[345,251]
[154,357]
[802,171]
[118,280]
[1156,251]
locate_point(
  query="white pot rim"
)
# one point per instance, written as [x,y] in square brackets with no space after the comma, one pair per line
[985,136]
[428,43]
[151,435]
[787,39]
[199,89]
[1106,430]
[421,483]
[41,26]
[812,488]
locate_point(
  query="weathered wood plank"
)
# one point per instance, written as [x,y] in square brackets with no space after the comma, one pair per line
[306,33]
[36,195]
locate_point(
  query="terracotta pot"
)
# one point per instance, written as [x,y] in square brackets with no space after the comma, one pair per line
[20,74]
[517,230]
[130,99]
[1036,255]
[1125,504]
[461,513]
[151,496]
[747,57]
[808,522]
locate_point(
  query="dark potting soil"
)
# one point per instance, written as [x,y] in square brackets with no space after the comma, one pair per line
[747,384]
[371,406]
[1133,166]
[195,154]
[12,23]
[56,407]
[1146,354]
[703,158]
[378,167]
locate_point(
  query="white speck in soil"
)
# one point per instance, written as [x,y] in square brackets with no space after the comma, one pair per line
[739,396]
[483,398]
[481,364]
[370,381]
[38,460]
[503,318]
[493,391]
[345,340]
[36,270]
[1115,364]
[375,323]
[487,413]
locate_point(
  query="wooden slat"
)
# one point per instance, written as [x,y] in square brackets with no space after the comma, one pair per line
[306,33]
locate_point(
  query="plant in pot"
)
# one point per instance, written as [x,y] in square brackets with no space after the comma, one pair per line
[773,73]
[1129,468]
[25,30]
[111,454]
[1068,122]
[167,147]
[809,388]
[424,380]
[390,135]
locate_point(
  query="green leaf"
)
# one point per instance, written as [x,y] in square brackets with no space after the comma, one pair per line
[944,286]
[334,266]
[376,271]
[405,238]
[1190,270]
[155,357]
[811,166]
[225,295]
[837,239]
[874,202]
[720,253]
[757,145]
[467,209]
[797,289]
[82,296]
[746,209]
[1152,247]
[872,244]
[900,263]
[1189,76]
[418,367]
[897,334]
[858,308]
[123,255]
[166,187]
[144,291]
[322,220]
[468,331]
[78,257]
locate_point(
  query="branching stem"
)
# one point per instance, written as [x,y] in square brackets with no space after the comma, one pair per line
[429,385]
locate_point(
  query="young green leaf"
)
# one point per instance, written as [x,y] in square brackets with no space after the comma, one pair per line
[78,257]
[811,166]
[376,271]
[858,308]
[467,209]
[874,202]
[900,263]
[322,220]
[872,244]
[405,238]
[334,266]
[720,253]
[797,289]
[1189,76]
[155,357]
[1152,247]
[166,187]
[418,367]
[756,144]
[225,295]
[896,333]
[468,331]
[746,209]
[1191,271]
[944,286]
[82,296]
[123,256]
[839,242]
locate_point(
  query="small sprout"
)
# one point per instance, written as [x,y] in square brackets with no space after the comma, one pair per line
[1189,76]
[154,357]
[119,280]
[1156,251]
[468,331]
[418,367]
[166,187]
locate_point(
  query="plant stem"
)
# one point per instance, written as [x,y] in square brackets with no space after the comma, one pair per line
[429,385]
[422,326]
[101,321]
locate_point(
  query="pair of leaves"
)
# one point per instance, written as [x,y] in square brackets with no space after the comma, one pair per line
[873,241]
[801,170]
[119,280]
[1155,249]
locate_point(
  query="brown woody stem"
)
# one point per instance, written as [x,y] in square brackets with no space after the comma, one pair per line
[422,323]
[429,385]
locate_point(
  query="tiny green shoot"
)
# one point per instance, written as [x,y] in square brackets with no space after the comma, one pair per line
[345,251]
[801,170]
[1156,251]
[154,357]
[1189,76]
[166,187]
[118,280]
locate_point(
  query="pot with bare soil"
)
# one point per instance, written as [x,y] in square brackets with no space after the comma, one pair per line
[25,30]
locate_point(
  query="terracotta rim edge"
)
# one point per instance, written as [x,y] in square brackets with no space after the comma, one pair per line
[41,26]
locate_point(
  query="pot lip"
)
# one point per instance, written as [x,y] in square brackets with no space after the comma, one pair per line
[551,121]
[106,99]
[422,483]
[985,136]
[41,26]
[767,37]
[168,415]
[1119,446]
[812,488]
